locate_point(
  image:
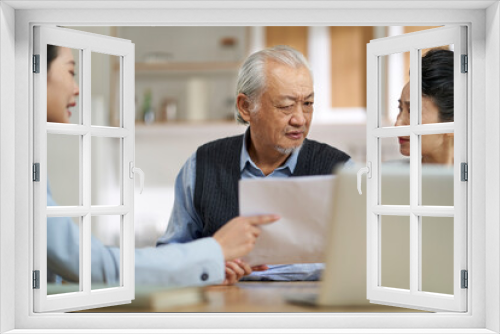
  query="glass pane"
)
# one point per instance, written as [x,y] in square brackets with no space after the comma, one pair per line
[437,254]
[437,182]
[395,251]
[395,172]
[106,171]
[63,78]
[106,76]
[106,235]
[437,85]
[63,168]
[394,71]
[63,255]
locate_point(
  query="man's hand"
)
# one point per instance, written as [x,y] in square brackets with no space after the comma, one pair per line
[236,269]
[237,237]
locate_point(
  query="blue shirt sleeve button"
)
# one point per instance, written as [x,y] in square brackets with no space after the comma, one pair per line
[204,276]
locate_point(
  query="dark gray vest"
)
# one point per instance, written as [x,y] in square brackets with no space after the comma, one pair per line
[218,173]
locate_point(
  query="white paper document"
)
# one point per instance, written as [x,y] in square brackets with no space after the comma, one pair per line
[304,205]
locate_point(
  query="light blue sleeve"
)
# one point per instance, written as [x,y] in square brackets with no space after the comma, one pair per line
[63,251]
[192,264]
[196,263]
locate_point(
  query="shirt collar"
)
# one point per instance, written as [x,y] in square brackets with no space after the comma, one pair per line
[245,159]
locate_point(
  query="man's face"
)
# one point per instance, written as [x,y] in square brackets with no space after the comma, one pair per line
[282,122]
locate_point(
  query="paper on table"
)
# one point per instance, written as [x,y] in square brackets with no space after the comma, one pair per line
[303,203]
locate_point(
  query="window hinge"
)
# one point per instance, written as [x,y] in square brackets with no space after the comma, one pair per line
[464,171]
[36,63]
[465,279]
[465,64]
[36,172]
[36,279]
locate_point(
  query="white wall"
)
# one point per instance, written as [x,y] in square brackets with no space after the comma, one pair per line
[492,185]
[187,45]
[7,169]
[217,90]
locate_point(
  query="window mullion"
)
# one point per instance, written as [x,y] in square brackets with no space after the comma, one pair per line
[435,128]
[66,129]
[460,155]
[85,246]
[79,211]
[394,210]
[127,89]
[415,80]
[83,171]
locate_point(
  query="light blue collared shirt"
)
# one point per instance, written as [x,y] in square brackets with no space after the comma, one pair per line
[186,225]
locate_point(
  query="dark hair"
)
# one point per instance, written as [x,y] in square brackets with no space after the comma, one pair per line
[52,51]
[437,81]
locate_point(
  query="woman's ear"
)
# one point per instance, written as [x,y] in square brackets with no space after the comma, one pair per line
[243,104]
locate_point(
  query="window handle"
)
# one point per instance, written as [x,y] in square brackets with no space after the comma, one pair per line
[365,170]
[133,170]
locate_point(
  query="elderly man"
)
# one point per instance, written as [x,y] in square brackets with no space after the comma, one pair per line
[275,97]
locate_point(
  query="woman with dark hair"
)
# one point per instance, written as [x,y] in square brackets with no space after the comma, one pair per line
[61,86]
[212,260]
[437,107]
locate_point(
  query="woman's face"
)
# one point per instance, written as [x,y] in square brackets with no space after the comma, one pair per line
[434,147]
[61,87]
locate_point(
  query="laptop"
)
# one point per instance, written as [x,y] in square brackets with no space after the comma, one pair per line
[343,282]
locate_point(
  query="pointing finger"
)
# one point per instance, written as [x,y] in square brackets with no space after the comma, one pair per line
[264,219]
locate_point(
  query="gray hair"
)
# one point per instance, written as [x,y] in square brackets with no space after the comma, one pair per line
[252,77]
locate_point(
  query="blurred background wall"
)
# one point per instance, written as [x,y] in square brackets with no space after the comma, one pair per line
[185,95]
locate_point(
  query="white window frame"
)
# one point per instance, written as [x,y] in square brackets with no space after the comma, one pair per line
[86,43]
[414,43]
[483,20]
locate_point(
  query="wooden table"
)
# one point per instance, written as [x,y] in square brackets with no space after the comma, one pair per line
[255,297]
